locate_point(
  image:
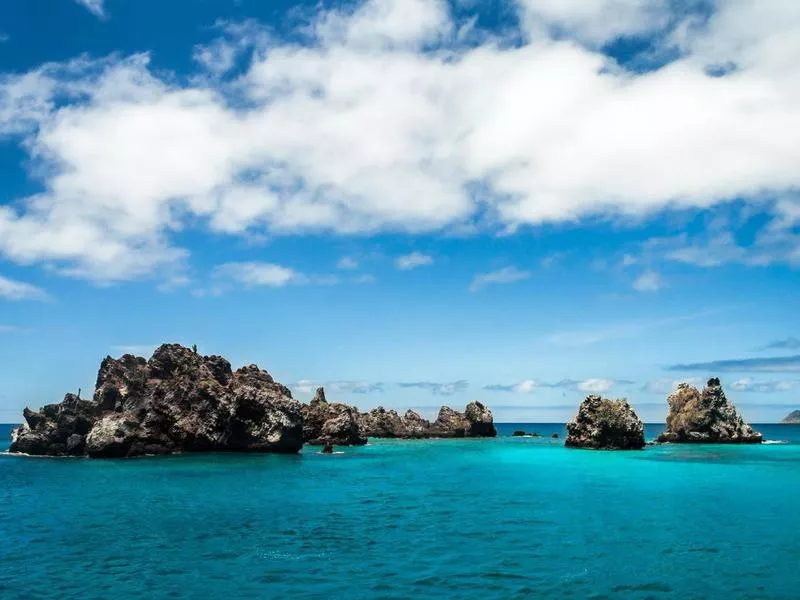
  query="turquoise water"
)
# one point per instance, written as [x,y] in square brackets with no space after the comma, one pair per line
[502,518]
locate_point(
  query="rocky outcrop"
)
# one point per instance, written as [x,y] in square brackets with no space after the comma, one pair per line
[604,424]
[416,426]
[475,421]
[178,401]
[793,418]
[382,423]
[331,423]
[705,417]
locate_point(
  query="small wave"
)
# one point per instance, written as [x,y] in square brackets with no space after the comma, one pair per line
[775,442]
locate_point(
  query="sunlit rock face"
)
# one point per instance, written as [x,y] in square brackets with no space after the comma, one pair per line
[706,417]
[605,424]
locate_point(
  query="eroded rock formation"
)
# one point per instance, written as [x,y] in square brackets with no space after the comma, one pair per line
[475,421]
[705,417]
[331,423]
[605,424]
[178,401]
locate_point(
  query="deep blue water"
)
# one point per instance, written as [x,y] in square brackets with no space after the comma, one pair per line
[502,518]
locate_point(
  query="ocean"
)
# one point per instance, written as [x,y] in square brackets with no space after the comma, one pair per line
[496,518]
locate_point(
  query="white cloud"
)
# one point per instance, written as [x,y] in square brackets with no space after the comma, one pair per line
[527,386]
[649,281]
[257,274]
[94,6]
[747,384]
[11,289]
[363,131]
[667,386]
[347,263]
[594,21]
[595,386]
[628,261]
[411,261]
[504,275]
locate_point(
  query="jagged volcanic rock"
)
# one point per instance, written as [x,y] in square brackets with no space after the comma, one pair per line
[416,426]
[705,417]
[382,423]
[604,424]
[476,421]
[331,423]
[178,401]
[480,419]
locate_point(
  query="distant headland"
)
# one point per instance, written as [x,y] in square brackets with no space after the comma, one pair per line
[793,418]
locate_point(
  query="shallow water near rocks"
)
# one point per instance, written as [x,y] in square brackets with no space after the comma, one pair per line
[501,518]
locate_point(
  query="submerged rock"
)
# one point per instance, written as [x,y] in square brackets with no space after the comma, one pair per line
[331,423]
[605,424]
[519,433]
[793,418]
[178,401]
[705,417]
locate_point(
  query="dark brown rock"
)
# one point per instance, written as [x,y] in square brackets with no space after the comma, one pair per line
[178,401]
[331,423]
[475,421]
[382,423]
[604,424]
[706,417]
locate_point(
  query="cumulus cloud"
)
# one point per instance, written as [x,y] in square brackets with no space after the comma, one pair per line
[504,275]
[595,385]
[347,263]
[257,274]
[412,261]
[11,289]
[387,120]
[649,281]
[438,389]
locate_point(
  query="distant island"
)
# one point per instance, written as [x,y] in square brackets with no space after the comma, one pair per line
[182,401]
[793,418]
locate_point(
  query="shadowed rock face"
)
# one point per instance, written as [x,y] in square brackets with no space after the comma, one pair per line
[476,421]
[178,401]
[705,417]
[604,424]
[331,423]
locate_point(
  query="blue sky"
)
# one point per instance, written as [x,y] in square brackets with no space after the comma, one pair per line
[411,202]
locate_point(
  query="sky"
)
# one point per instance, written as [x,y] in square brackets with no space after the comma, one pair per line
[410,202]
